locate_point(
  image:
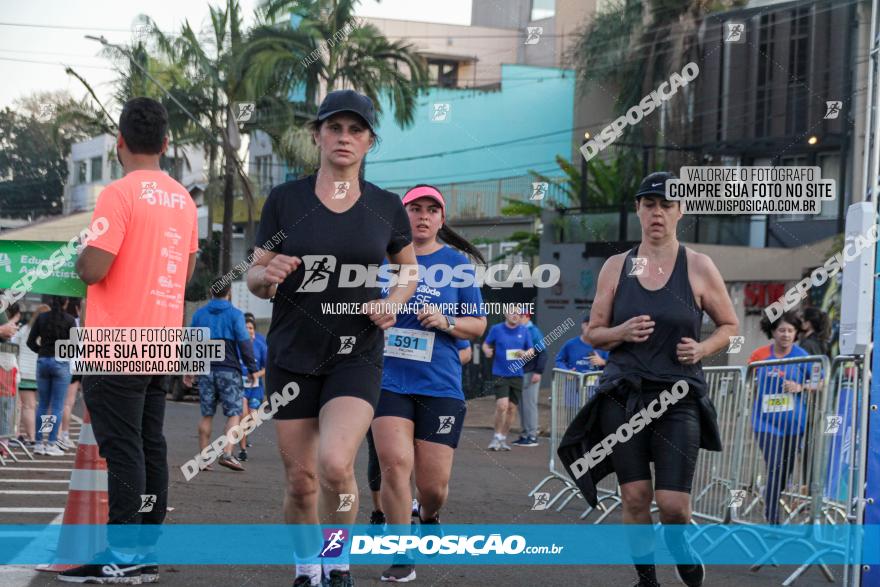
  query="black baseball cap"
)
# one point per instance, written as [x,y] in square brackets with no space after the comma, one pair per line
[348,101]
[654,184]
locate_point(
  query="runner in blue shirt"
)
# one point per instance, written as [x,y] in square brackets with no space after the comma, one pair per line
[507,343]
[253,392]
[421,408]
[579,355]
[374,471]
[779,410]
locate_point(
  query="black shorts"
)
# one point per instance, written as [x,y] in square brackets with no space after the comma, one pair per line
[436,419]
[353,378]
[671,442]
[508,387]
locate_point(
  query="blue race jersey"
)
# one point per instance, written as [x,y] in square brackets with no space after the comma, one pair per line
[575,355]
[776,412]
[507,341]
[415,364]
[261,352]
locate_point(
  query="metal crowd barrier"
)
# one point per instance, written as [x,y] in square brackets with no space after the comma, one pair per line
[8,403]
[797,455]
[794,447]
[714,474]
[570,391]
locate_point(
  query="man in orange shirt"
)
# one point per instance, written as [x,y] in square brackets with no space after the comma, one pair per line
[137,271]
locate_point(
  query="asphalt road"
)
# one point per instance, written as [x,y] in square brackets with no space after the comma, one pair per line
[486,487]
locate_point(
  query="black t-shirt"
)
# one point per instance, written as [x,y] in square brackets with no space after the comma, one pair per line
[49,328]
[303,337]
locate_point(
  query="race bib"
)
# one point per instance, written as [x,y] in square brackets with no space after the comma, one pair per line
[777,402]
[408,343]
[512,354]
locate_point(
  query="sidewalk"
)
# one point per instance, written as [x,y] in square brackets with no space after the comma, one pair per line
[481,413]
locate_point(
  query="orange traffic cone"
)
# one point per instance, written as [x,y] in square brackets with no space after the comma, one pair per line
[87,500]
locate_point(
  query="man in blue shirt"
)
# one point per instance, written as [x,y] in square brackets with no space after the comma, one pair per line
[223,383]
[507,343]
[578,355]
[532,372]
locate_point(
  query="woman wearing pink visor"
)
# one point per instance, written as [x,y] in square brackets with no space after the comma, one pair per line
[421,407]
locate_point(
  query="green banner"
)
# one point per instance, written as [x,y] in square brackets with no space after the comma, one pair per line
[44,267]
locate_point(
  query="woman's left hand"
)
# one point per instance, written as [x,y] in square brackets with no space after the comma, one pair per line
[689,351]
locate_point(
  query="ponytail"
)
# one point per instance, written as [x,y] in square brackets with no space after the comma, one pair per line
[453,239]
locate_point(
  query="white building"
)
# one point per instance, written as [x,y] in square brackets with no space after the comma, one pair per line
[92,164]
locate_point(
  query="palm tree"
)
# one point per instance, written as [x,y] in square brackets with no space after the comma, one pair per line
[179,86]
[633,46]
[328,50]
[609,184]
[214,61]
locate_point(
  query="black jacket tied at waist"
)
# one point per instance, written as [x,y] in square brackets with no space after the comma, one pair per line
[585,431]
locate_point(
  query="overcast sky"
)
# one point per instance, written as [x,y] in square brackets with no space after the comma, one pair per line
[31,56]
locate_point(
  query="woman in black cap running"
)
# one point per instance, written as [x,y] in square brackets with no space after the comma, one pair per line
[648,312]
[325,339]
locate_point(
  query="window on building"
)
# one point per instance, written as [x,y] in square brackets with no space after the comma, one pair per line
[830,165]
[798,72]
[115,169]
[97,165]
[506,250]
[443,73]
[79,172]
[264,172]
[543,9]
[796,161]
[764,81]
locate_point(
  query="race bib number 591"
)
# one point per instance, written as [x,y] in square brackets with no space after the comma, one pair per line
[408,343]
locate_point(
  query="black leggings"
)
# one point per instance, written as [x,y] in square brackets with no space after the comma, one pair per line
[670,441]
[374,471]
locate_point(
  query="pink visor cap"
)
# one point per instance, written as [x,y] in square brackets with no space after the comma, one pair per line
[425,191]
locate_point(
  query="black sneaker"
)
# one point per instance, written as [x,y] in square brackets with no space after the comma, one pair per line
[430,521]
[242,455]
[429,527]
[303,581]
[399,574]
[126,574]
[339,579]
[377,523]
[149,573]
[691,575]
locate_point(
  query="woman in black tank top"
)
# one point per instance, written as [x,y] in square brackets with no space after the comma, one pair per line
[648,313]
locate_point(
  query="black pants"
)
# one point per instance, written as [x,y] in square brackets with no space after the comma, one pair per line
[127,413]
[780,453]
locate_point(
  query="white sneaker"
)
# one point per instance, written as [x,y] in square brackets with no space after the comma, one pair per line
[53,451]
[65,444]
[40,448]
[504,445]
[495,444]
[62,446]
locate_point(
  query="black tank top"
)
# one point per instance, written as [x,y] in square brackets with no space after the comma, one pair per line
[675,314]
